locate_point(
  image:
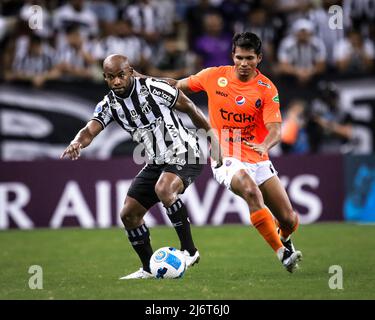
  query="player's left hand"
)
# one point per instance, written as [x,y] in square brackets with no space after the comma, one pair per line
[72,151]
[260,148]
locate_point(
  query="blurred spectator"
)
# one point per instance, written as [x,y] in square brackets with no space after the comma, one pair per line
[76,12]
[7,24]
[354,54]
[294,138]
[33,62]
[72,55]
[302,55]
[292,10]
[259,22]
[330,129]
[173,61]
[214,46]
[195,19]
[123,41]
[234,11]
[320,16]
[360,15]
[145,19]
[105,11]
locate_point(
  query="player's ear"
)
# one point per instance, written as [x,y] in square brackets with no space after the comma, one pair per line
[104,76]
[260,57]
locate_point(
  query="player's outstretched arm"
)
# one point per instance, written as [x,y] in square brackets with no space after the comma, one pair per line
[179,84]
[184,104]
[83,138]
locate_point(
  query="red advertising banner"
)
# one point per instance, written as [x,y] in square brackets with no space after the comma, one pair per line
[90,193]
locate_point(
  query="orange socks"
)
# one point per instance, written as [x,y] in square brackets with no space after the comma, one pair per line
[263,221]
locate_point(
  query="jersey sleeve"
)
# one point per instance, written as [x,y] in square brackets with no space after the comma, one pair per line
[162,92]
[271,108]
[103,113]
[198,82]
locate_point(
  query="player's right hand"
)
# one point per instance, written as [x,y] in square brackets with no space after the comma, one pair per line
[72,151]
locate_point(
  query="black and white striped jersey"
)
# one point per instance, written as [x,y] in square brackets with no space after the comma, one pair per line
[147,114]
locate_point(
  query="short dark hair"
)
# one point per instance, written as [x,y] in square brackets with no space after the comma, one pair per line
[247,40]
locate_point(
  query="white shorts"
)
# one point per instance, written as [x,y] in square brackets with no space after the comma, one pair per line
[259,172]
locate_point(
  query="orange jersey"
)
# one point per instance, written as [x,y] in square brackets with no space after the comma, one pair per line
[238,110]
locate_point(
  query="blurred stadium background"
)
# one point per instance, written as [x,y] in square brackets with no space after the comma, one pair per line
[320,57]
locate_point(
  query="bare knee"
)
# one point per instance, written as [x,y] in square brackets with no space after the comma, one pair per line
[253,196]
[131,216]
[165,193]
[288,220]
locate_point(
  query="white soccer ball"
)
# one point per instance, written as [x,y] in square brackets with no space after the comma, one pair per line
[167,263]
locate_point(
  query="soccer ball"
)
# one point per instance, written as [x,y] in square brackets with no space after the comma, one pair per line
[167,263]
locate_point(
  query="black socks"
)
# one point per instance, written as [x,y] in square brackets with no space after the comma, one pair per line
[178,215]
[140,240]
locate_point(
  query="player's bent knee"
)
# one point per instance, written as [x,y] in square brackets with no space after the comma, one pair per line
[289,221]
[253,194]
[165,194]
[130,219]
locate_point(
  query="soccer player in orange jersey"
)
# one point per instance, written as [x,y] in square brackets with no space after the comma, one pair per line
[243,107]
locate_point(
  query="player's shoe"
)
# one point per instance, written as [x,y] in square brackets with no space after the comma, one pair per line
[290,259]
[191,260]
[289,245]
[139,274]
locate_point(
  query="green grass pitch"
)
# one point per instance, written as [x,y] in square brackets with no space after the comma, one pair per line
[235,264]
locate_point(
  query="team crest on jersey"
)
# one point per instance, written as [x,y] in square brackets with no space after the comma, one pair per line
[116,105]
[222,82]
[264,84]
[134,115]
[143,92]
[240,100]
[258,103]
[145,107]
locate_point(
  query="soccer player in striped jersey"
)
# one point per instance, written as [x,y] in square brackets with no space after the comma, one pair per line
[243,107]
[145,109]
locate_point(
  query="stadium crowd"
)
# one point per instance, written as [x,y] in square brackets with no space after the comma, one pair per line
[176,38]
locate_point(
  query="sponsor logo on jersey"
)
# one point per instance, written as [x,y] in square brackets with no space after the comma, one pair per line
[258,103]
[221,93]
[240,100]
[162,93]
[222,82]
[276,98]
[260,82]
[236,117]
